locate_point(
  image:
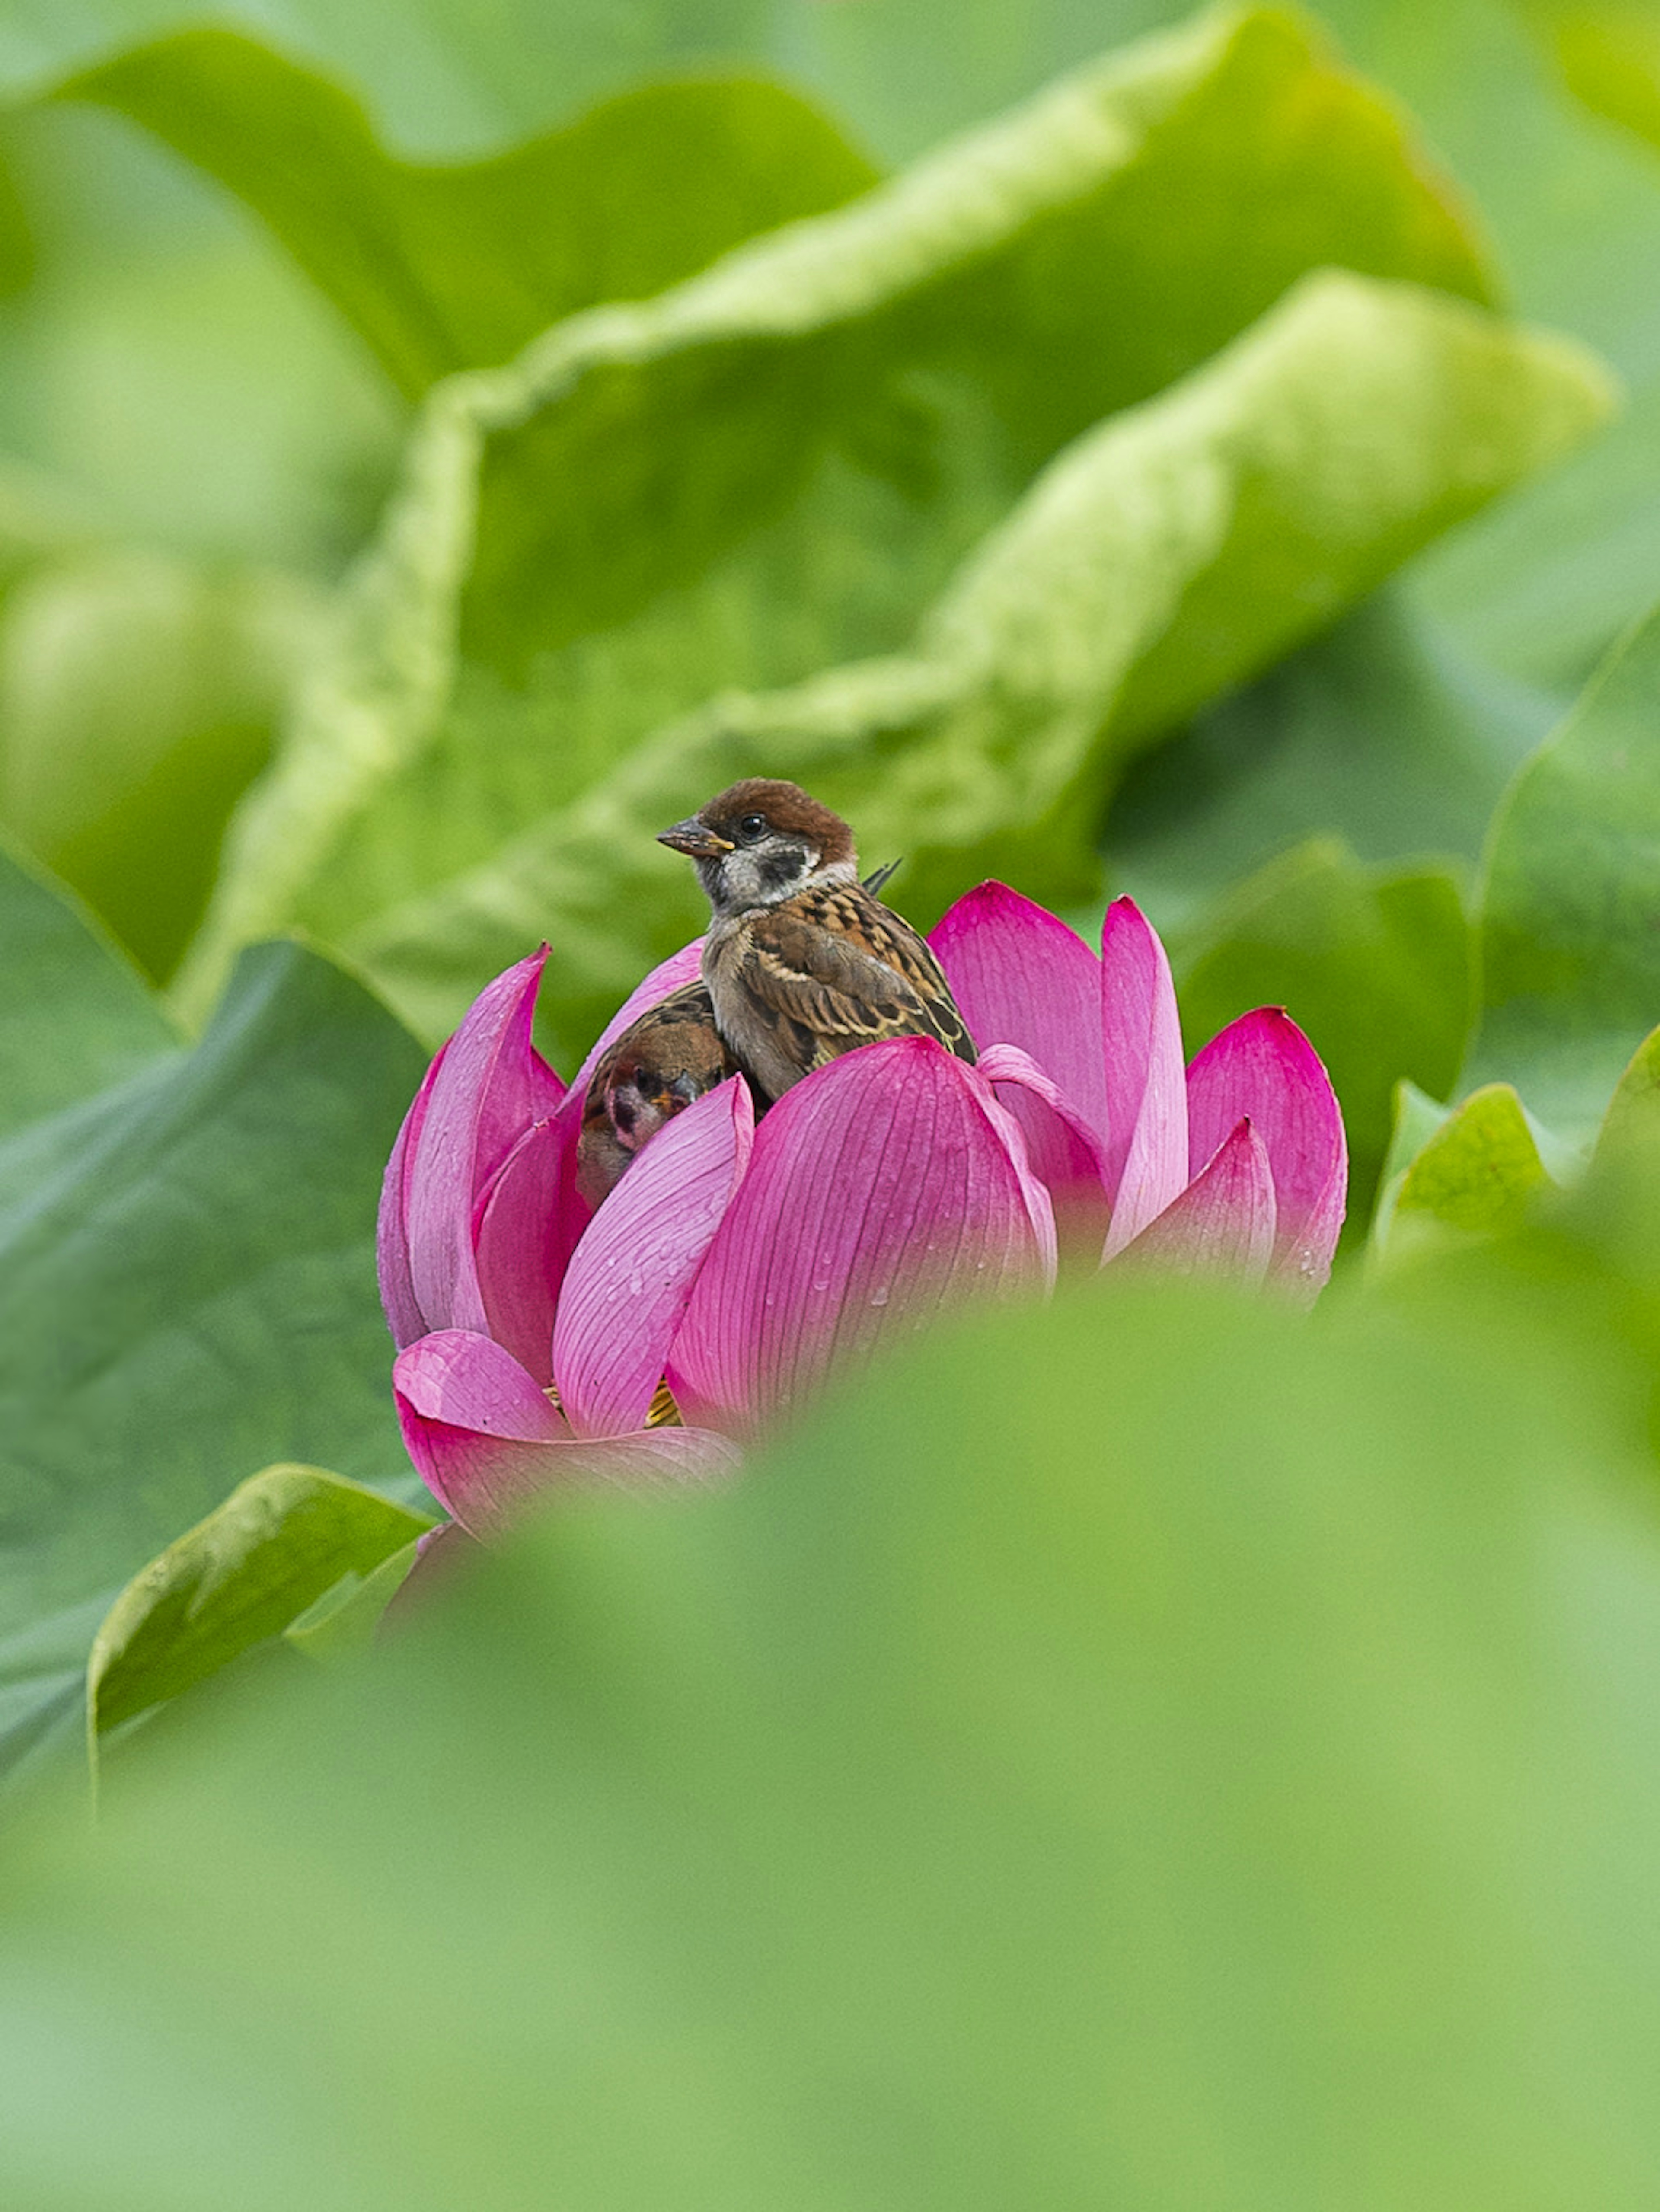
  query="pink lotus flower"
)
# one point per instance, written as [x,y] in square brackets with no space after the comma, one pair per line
[737,1264]
[1236,1163]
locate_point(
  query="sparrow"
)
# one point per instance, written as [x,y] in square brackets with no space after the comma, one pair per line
[802,961]
[658,1067]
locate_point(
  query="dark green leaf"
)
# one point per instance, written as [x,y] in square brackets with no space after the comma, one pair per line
[447,77]
[74,1017]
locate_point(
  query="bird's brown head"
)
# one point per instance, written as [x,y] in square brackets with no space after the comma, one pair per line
[760,841]
[663,1063]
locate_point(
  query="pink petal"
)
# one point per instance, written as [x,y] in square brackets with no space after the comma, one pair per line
[492,1086]
[1066,1154]
[392,1243]
[680,968]
[1262,1065]
[1034,1192]
[1146,1094]
[469,1416]
[467,1407]
[1020,976]
[527,1226]
[488,1485]
[883,1186]
[632,1273]
[1223,1223]
[469,1382]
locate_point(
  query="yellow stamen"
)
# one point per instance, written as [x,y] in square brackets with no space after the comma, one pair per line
[664,1413]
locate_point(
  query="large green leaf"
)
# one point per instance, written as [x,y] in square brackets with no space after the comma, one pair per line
[1152,1752]
[138,693]
[1373,963]
[1401,729]
[448,266]
[1570,954]
[1540,588]
[1575,214]
[774,468]
[1164,555]
[187,1281]
[451,77]
[345,1620]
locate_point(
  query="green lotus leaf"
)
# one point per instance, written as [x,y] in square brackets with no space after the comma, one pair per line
[187,1285]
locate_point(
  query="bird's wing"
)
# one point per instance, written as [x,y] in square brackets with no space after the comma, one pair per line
[841,971]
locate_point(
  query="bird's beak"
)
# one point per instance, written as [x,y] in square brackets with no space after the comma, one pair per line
[695,839]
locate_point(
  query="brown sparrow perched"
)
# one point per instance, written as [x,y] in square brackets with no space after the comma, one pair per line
[659,1066]
[802,963]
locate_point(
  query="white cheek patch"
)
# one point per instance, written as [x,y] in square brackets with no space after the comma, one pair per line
[743,878]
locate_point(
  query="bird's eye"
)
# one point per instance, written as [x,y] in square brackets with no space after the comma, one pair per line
[751,827]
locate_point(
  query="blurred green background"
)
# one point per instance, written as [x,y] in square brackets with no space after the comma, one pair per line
[1154,1752]
[200,439]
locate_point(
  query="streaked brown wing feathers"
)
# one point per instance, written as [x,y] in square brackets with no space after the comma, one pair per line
[841,971]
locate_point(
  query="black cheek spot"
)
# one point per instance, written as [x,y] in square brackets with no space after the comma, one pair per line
[783,866]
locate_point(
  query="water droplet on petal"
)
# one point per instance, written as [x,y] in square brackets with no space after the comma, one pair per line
[879,1298]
